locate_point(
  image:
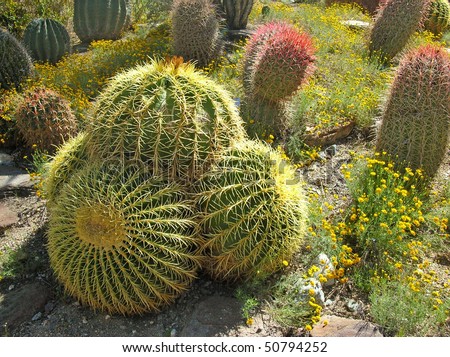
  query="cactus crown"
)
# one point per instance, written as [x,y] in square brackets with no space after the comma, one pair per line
[253,212]
[168,115]
[122,242]
[415,123]
[438,17]
[15,63]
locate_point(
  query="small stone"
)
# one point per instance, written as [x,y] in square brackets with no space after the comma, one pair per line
[356,24]
[84,320]
[329,302]
[36,316]
[305,286]
[107,317]
[49,307]
[134,332]
[7,217]
[173,333]
[353,305]
[152,322]
[11,287]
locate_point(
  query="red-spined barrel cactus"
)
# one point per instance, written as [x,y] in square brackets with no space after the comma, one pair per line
[45,119]
[46,40]
[167,115]
[122,241]
[416,118]
[195,30]
[438,18]
[99,19]
[395,22]
[253,212]
[15,62]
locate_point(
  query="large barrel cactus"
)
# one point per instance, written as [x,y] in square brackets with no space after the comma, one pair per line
[46,40]
[71,157]
[45,119]
[278,60]
[122,242]
[253,212]
[195,30]
[237,13]
[416,119]
[99,19]
[395,22]
[438,17]
[15,63]
[167,115]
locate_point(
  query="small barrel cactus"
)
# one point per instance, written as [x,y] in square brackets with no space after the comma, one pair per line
[100,19]
[195,30]
[416,119]
[71,157]
[395,22]
[46,40]
[15,63]
[237,13]
[253,212]
[167,115]
[122,242]
[45,119]
[438,18]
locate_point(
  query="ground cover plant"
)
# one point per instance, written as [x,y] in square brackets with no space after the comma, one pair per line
[301,189]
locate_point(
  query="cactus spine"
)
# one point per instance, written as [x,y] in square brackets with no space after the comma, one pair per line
[395,22]
[278,60]
[253,212]
[99,19]
[195,30]
[45,119]
[438,19]
[167,115]
[237,13]
[15,63]
[122,242]
[416,118]
[46,40]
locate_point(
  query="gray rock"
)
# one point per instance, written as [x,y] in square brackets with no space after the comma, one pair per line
[22,304]
[304,290]
[212,316]
[326,267]
[8,217]
[13,178]
[356,25]
[36,316]
[343,327]
[6,160]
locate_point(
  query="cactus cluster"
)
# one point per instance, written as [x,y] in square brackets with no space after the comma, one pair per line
[253,212]
[416,118]
[45,119]
[122,242]
[100,19]
[15,63]
[169,116]
[395,22]
[195,31]
[278,60]
[46,40]
[237,13]
[438,17]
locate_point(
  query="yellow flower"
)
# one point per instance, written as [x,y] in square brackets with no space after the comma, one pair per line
[308,327]
[285,263]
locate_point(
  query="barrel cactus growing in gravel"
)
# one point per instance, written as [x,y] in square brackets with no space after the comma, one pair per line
[46,40]
[237,13]
[438,17]
[15,63]
[45,119]
[195,30]
[167,115]
[278,60]
[123,242]
[416,119]
[395,22]
[253,212]
[99,19]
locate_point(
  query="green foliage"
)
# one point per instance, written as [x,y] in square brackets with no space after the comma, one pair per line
[165,114]
[237,13]
[45,119]
[438,19]
[99,19]
[46,40]
[195,31]
[121,241]
[415,124]
[253,212]
[395,23]
[15,63]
